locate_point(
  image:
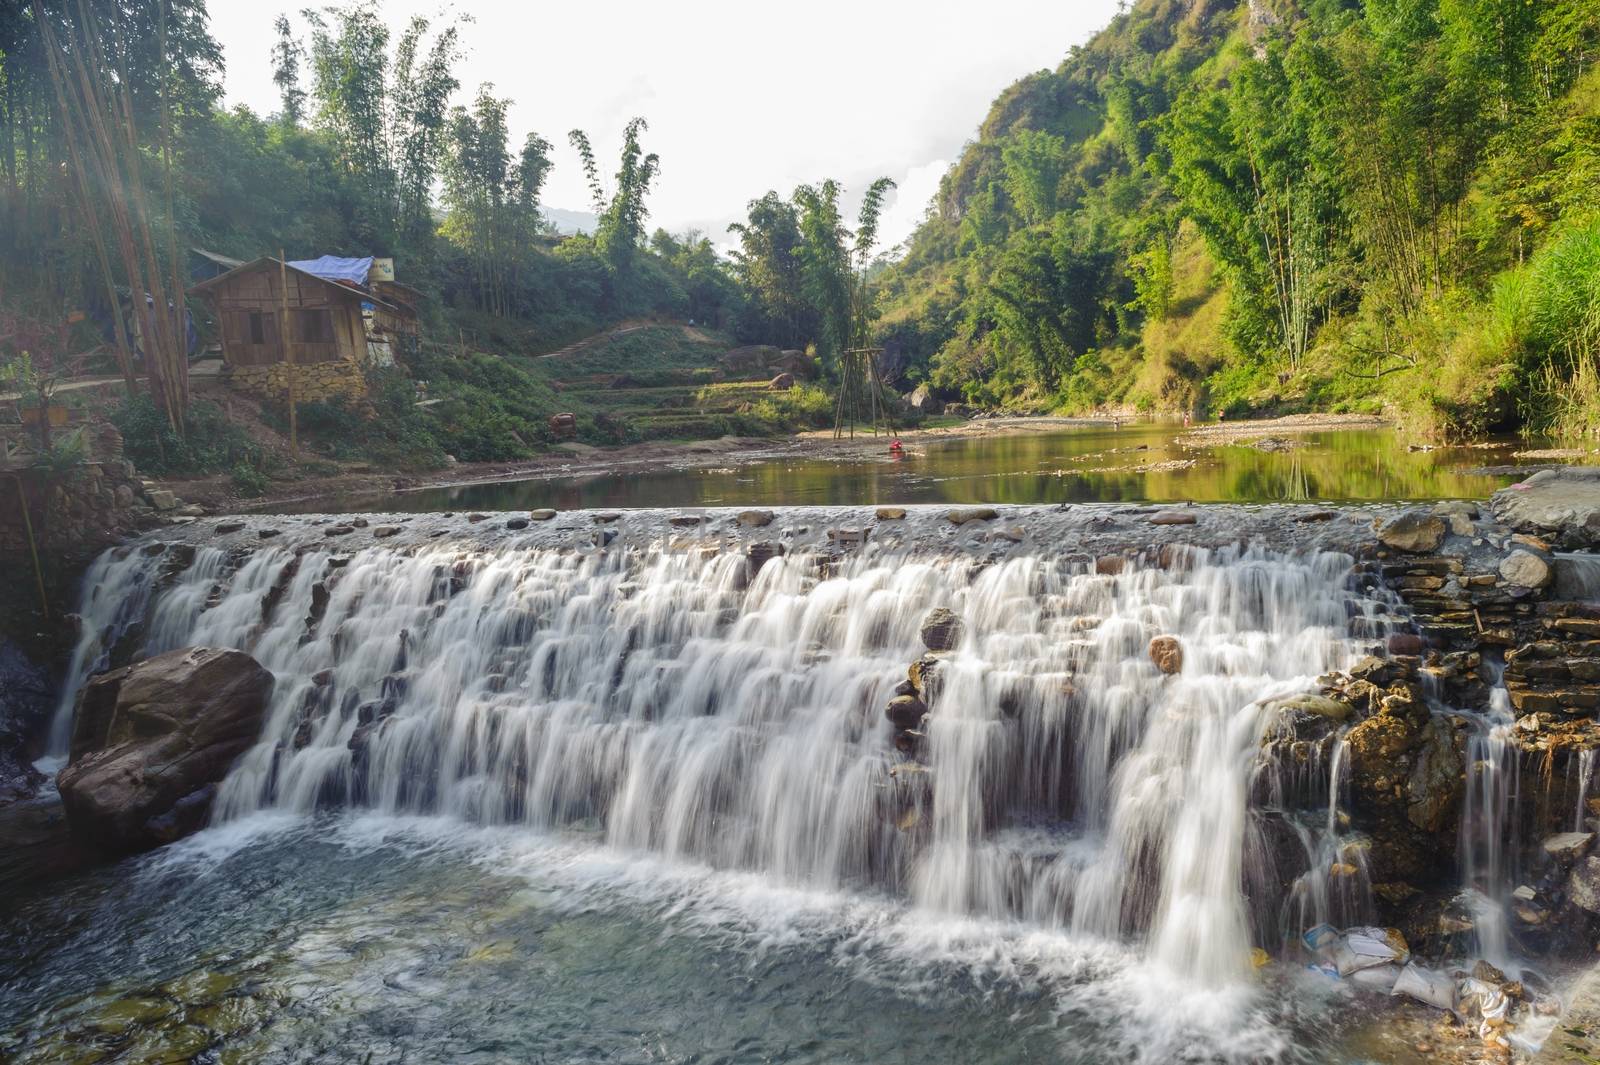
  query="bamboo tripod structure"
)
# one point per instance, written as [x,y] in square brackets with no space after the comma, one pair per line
[863,395]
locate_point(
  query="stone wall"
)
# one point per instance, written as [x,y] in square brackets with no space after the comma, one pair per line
[312,381]
[74,515]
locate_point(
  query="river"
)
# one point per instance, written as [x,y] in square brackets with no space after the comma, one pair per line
[526,798]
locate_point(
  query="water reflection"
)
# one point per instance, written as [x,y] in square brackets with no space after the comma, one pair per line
[1136,463]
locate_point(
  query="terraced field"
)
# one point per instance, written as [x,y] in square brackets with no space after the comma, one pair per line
[666,381]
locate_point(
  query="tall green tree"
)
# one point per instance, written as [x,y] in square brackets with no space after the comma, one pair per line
[622,211]
[386,115]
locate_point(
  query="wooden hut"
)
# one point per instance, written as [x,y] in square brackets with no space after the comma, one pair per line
[327,336]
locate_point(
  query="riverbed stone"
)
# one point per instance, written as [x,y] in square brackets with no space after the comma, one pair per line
[1166,652]
[962,515]
[1583,885]
[1414,532]
[1319,705]
[906,711]
[148,737]
[1525,569]
[756,519]
[942,629]
[543,514]
[891,513]
[1566,846]
[1172,517]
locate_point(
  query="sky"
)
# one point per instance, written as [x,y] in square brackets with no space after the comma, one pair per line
[741,97]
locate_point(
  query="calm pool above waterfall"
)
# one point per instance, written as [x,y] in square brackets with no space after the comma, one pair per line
[1138,462]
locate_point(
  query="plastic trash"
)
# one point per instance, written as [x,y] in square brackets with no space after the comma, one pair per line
[1426,986]
[1478,999]
[1378,978]
[1367,948]
[1320,939]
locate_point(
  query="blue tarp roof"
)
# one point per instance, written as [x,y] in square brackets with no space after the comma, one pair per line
[333,268]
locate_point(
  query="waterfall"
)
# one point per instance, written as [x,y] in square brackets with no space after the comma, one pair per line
[116,605]
[1493,786]
[689,703]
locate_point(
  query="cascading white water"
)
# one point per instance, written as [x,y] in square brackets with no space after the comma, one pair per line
[668,701]
[1493,782]
[116,600]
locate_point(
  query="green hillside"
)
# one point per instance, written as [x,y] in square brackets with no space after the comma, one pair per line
[1271,205]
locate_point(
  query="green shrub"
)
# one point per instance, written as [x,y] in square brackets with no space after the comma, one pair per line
[249,480]
[210,444]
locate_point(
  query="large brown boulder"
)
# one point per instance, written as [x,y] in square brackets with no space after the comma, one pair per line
[1414,532]
[151,741]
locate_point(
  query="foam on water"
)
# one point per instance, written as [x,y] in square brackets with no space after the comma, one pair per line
[683,730]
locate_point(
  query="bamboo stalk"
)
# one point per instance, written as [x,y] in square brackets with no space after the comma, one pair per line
[288,353]
[33,547]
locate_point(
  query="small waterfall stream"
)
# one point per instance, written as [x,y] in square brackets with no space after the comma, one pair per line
[674,702]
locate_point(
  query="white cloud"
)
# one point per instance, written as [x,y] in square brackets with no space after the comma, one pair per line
[916,189]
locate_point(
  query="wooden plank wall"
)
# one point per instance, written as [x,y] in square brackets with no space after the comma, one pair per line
[256,293]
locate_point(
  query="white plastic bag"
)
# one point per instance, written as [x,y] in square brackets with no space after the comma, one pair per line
[1377,978]
[1366,948]
[1426,986]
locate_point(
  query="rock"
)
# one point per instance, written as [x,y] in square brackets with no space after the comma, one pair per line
[360,523]
[383,532]
[1320,705]
[338,530]
[541,515]
[224,528]
[25,706]
[1434,788]
[1563,504]
[1172,517]
[148,737]
[755,519]
[685,521]
[1415,532]
[1405,643]
[475,518]
[162,499]
[942,630]
[605,517]
[923,401]
[267,534]
[760,553]
[906,711]
[781,383]
[962,515]
[1525,570]
[1167,654]
[891,513]
[1583,885]
[1566,846]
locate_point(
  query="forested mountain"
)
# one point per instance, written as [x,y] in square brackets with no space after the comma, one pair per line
[1231,205]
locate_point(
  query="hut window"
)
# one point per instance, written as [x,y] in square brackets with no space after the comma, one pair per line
[316,327]
[258,328]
